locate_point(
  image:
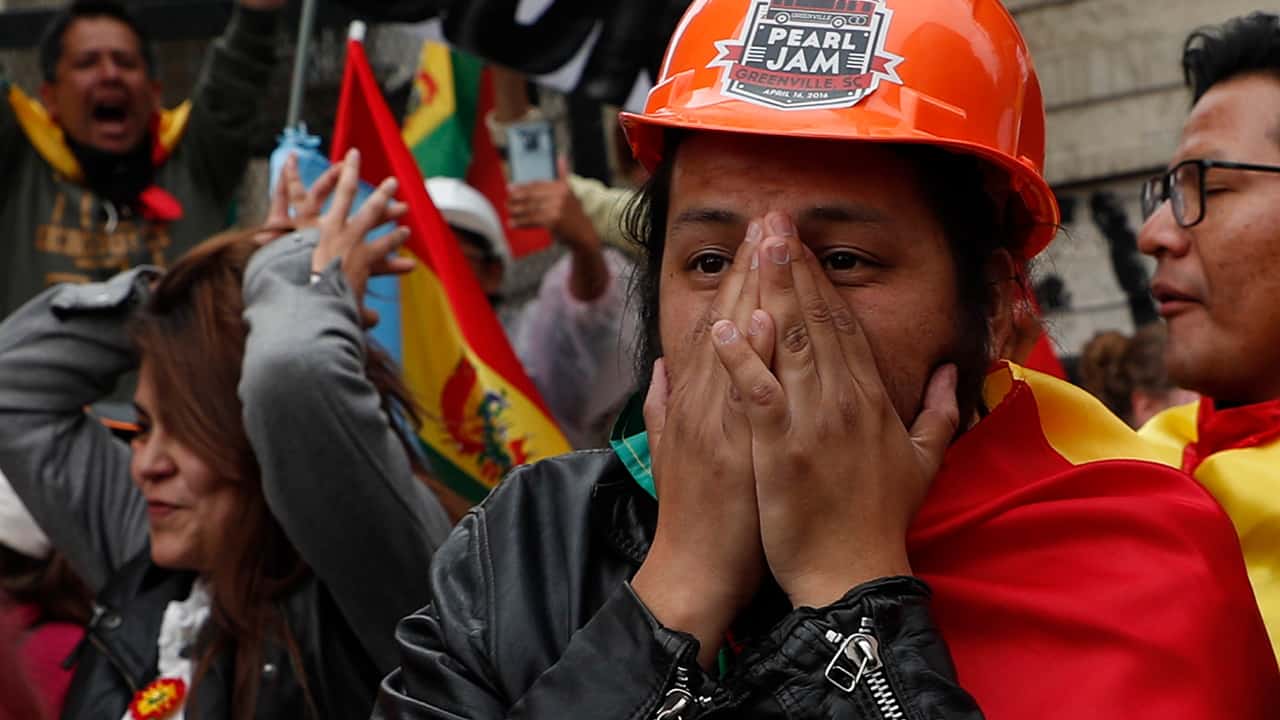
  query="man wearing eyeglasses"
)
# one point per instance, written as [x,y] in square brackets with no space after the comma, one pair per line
[1213,225]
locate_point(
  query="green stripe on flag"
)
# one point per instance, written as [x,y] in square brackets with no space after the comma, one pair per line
[454,477]
[446,152]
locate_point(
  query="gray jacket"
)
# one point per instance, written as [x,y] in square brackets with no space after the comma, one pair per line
[333,471]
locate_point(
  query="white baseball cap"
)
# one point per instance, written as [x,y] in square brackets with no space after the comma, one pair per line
[465,207]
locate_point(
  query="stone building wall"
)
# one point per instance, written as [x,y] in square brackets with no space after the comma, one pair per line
[1112,81]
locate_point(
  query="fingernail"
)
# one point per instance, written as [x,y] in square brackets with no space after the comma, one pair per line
[755,260]
[755,231]
[353,154]
[392,185]
[724,332]
[779,253]
[780,224]
[756,327]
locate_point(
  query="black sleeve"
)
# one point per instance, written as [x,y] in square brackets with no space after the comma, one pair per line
[618,665]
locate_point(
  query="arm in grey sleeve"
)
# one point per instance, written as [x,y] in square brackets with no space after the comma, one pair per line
[228,100]
[333,470]
[58,353]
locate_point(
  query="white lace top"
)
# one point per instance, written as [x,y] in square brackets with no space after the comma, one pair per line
[178,631]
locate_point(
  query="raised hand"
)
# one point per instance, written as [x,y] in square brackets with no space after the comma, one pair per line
[343,237]
[838,475]
[706,561]
[294,206]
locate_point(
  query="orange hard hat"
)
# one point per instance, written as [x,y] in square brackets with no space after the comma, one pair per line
[955,74]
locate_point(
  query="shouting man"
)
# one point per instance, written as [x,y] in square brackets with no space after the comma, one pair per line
[98,177]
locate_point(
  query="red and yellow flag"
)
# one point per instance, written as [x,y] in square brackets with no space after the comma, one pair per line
[447,134]
[483,414]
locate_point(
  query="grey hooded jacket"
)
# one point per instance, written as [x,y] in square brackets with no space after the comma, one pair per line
[333,471]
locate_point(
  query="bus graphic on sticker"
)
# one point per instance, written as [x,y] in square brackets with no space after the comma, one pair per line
[806,54]
[835,13]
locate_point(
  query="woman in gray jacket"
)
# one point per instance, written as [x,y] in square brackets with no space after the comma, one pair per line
[241,549]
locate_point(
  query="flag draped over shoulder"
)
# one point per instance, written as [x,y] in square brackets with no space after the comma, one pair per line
[447,133]
[483,415]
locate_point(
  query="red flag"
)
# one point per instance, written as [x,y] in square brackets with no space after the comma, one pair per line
[485,175]
[365,122]
[1044,359]
[1075,575]
[484,414]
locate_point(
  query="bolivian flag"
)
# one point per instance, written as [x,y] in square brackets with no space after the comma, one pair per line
[447,134]
[483,414]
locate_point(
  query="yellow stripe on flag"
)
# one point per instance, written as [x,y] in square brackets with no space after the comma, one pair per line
[437,100]
[474,418]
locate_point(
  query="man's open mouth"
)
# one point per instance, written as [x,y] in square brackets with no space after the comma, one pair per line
[112,113]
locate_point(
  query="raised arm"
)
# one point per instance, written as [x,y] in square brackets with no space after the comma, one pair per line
[229,97]
[333,469]
[63,350]
[574,350]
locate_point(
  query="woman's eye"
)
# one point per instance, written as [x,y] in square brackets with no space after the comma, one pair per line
[840,260]
[711,264]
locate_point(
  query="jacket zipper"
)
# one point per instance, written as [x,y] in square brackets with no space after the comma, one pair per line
[91,636]
[680,701]
[102,648]
[862,649]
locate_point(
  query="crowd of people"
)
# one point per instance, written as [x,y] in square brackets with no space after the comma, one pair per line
[813,478]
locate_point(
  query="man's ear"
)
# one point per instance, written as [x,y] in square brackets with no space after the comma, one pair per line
[1012,323]
[46,97]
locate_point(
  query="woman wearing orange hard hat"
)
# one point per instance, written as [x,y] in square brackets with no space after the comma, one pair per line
[836,500]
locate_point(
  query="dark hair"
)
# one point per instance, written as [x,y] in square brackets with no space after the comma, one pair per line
[955,185]
[192,334]
[1216,53]
[51,41]
[49,584]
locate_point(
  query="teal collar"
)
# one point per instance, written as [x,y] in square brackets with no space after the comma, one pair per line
[630,443]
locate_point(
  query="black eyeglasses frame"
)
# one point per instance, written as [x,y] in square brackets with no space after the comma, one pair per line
[1158,189]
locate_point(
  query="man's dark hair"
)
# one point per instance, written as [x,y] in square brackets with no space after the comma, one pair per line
[51,41]
[1241,45]
[954,185]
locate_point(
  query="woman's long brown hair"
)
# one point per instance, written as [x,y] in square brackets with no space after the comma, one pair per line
[192,334]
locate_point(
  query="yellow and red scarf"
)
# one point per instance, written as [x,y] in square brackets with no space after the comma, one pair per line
[167,127]
[1235,454]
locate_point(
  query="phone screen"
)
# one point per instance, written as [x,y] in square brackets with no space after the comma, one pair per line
[531,152]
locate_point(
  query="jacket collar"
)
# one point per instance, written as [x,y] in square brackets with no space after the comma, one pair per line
[129,611]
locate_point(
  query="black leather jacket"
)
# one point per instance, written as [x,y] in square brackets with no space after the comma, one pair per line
[119,653]
[532,616]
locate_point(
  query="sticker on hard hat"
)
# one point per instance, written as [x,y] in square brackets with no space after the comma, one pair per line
[806,54]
